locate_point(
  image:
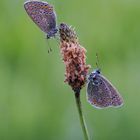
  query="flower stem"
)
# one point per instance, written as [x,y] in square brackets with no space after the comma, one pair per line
[82,120]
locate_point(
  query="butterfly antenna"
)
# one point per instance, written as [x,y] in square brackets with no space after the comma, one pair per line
[50,49]
[97,62]
[57,37]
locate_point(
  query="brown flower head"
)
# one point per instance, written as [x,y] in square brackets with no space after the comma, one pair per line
[74,58]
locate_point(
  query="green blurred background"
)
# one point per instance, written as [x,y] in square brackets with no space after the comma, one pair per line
[35,103]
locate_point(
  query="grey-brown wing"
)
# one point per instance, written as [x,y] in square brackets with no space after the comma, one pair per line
[42,14]
[99,95]
[116,98]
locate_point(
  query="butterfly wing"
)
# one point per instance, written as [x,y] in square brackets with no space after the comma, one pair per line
[101,93]
[116,98]
[98,94]
[42,14]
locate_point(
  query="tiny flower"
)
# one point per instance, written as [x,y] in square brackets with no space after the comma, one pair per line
[74,58]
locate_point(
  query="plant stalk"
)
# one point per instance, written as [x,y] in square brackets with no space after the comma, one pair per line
[82,120]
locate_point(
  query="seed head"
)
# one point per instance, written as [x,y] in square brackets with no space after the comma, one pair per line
[74,58]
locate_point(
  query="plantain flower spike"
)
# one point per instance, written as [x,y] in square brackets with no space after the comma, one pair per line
[74,57]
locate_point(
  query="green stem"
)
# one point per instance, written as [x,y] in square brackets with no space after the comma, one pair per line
[82,120]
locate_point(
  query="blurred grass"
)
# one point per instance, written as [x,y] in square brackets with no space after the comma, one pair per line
[34,101]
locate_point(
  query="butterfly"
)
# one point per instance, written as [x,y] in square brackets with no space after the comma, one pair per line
[43,15]
[101,93]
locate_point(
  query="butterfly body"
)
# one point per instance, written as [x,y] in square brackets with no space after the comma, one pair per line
[43,15]
[101,93]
